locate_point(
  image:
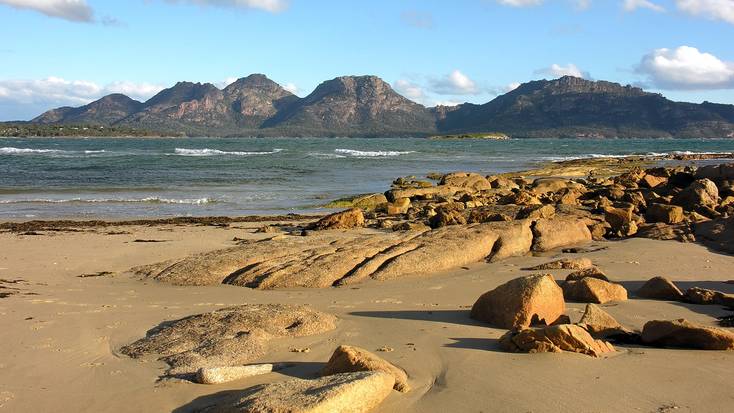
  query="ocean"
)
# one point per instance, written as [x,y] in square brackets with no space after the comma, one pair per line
[42,178]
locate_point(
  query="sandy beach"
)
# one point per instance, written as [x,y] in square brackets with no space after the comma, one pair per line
[63,330]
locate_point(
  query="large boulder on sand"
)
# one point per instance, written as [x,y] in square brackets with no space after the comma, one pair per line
[531,300]
[466,180]
[359,392]
[559,232]
[554,339]
[701,193]
[681,333]
[593,290]
[347,359]
[351,218]
[717,234]
[660,288]
[231,336]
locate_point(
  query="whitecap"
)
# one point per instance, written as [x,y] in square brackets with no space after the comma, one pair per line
[370,154]
[217,152]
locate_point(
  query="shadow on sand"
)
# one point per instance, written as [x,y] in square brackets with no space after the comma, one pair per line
[441,316]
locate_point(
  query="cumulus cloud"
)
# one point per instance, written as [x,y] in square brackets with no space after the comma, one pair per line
[686,68]
[272,6]
[72,10]
[712,9]
[410,90]
[557,70]
[291,87]
[512,86]
[29,98]
[455,83]
[632,5]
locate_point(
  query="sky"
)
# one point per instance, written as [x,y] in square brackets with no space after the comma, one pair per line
[71,52]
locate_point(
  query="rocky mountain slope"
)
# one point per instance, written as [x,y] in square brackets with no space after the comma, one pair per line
[368,106]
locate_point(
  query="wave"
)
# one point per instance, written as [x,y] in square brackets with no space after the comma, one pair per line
[9,150]
[370,154]
[217,152]
[151,200]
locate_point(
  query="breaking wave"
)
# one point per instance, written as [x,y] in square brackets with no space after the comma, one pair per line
[370,154]
[217,152]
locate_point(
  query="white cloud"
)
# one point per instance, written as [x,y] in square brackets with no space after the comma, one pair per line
[447,103]
[712,9]
[512,86]
[632,5]
[557,70]
[72,10]
[272,6]
[520,3]
[409,89]
[29,98]
[455,83]
[291,87]
[686,68]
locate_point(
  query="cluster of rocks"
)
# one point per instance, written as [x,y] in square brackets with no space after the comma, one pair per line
[533,309]
[216,347]
[661,202]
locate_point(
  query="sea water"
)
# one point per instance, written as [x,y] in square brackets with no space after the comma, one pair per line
[43,178]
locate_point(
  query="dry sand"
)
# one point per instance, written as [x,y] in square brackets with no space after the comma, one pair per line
[61,333]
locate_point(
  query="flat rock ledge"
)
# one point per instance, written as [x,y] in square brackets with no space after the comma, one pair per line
[327,259]
[228,337]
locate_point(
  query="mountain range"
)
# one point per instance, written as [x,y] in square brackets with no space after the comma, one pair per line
[368,106]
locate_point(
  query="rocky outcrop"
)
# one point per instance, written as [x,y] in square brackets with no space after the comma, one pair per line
[347,359]
[668,214]
[600,324]
[522,302]
[219,375]
[232,336]
[564,264]
[554,339]
[359,392]
[681,333]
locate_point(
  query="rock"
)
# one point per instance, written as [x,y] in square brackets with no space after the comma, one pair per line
[593,272]
[717,234]
[701,193]
[519,303]
[503,183]
[554,339]
[559,232]
[218,375]
[399,206]
[600,324]
[679,232]
[537,211]
[716,172]
[545,185]
[669,214]
[434,191]
[652,181]
[359,392]
[347,359]
[593,290]
[599,230]
[564,264]
[705,296]
[568,196]
[621,221]
[227,337]
[681,333]
[446,217]
[521,197]
[465,180]
[515,239]
[660,288]
[370,202]
[411,226]
[267,229]
[351,218]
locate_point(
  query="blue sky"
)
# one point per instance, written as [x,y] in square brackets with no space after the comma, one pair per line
[69,52]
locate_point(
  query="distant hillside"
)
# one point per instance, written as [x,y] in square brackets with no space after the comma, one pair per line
[571,106]
[368,106]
